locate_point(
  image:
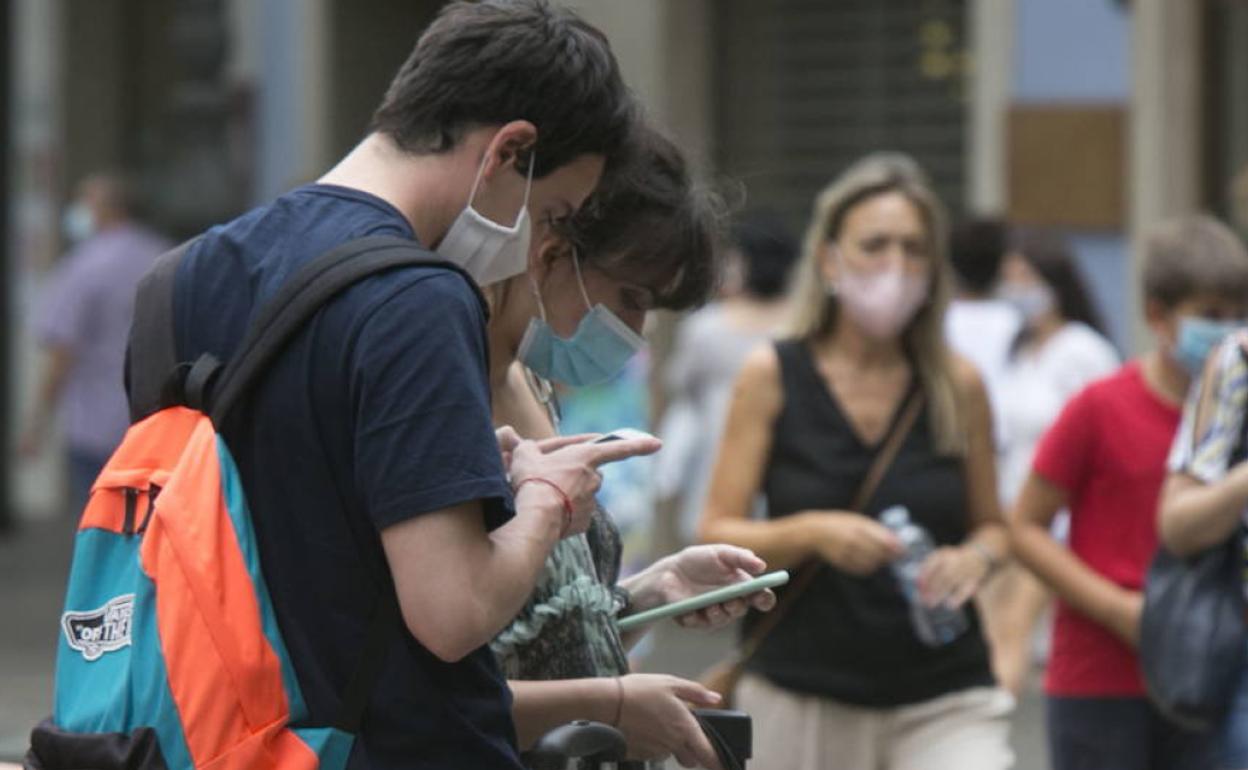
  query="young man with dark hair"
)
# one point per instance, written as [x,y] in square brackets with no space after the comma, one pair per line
[367,451]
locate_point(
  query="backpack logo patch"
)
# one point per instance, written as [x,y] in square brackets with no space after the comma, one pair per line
[96,632]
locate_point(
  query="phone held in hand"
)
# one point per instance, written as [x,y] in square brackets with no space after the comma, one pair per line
[716,596]
[621,434]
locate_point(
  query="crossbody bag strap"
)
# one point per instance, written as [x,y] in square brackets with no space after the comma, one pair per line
[882,461]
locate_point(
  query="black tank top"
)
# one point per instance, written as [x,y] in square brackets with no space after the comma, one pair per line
[850,638]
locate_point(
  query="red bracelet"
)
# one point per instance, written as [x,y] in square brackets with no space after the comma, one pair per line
[563,497]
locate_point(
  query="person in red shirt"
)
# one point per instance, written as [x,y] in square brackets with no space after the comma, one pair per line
[1105,460]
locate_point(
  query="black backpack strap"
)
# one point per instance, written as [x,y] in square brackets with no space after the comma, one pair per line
[151,352]
[300,298]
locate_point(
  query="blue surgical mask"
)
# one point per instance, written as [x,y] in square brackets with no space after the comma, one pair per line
[599,350]
[77,223]
[1032,302]
[1197,339]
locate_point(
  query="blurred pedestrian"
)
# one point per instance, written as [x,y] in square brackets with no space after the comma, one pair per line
[844,680]
[1204,502]
[82,324]
[646,240]
[980,325]
[711,344]
[1195,283]
[1060,348]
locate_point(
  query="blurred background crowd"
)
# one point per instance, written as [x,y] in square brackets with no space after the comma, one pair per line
[1057,133]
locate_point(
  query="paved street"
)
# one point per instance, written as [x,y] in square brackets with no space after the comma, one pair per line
[33,566]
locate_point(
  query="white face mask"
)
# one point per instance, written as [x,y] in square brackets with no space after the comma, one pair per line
[486,250]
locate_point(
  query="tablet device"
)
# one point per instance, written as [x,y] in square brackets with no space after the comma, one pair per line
[716,596]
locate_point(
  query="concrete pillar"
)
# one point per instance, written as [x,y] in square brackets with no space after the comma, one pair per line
[292,110]
[1165,125]
[991,27]
[35,187]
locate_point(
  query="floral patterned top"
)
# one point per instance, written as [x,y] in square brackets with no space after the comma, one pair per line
[1210,440]
[567,628]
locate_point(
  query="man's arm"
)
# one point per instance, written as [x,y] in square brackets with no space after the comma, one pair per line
[58,361]
[458,584]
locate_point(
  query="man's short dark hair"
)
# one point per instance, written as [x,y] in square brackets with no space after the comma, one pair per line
[769,250]
[976,248]
[494,61]
[1191,255]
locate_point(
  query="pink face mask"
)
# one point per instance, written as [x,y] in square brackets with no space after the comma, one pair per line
[881,302]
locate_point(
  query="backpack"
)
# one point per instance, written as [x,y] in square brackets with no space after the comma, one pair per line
[169,652]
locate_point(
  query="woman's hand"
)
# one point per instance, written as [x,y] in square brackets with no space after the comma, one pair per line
[696,570]
[952,575]
[656,720]
[853,542]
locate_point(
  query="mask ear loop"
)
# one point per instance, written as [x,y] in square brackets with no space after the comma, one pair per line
[472,194]
[528,185]
[537,294]
[576,265]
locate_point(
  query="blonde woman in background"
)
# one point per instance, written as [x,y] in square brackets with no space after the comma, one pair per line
[844,681]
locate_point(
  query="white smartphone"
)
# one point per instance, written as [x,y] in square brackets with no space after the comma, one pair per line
[621,434]
[716,596]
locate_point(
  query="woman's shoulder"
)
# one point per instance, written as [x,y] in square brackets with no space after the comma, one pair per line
[760,381]
[1077,334]
[966,377]
[1080,341]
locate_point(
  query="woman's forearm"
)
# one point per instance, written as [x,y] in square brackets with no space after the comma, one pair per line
[1085,590]
[782,542]
[537,707]
[1195,516]
[992,540]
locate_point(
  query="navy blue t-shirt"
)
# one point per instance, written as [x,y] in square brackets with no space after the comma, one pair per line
[377,412]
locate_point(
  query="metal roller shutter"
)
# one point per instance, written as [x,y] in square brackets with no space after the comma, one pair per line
[805,87]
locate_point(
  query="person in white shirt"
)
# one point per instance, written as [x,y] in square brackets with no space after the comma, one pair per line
[979,325]
[710,347]
[1060,349]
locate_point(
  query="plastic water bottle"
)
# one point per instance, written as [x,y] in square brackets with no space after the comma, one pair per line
[935,626]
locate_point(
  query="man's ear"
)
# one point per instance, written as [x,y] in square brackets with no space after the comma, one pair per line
[510,148]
